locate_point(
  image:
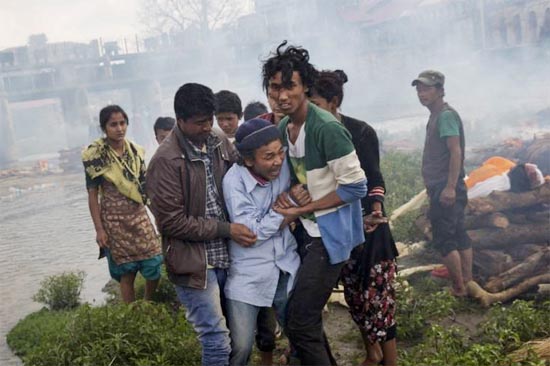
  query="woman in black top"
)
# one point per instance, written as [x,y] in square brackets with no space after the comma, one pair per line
[369,275]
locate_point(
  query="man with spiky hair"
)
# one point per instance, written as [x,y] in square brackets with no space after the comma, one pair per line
[323,161]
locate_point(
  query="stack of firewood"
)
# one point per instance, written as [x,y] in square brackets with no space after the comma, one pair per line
[510,235]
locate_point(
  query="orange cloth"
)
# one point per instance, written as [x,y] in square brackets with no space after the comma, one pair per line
[493,166]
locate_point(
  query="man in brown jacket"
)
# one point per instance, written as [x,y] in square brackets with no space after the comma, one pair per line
[184,182]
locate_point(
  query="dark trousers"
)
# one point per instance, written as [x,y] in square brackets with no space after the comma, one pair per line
[314,283]
[448,222]
[265,330]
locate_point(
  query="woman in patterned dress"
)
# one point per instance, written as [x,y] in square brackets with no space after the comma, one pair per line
[115,178]
[369,275]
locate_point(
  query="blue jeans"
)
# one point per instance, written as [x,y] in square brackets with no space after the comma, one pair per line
[204,312]
[242,319]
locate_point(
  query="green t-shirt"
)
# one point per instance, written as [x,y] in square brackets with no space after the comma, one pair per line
[448,124]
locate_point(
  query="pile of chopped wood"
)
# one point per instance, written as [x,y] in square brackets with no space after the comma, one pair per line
[510,235]
[536,151]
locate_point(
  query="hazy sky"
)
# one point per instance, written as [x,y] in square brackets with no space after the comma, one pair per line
[67,20]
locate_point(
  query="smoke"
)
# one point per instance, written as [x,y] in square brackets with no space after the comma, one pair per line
[496,88]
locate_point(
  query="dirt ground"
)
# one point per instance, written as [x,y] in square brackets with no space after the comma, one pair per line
[346,342]
[344,337]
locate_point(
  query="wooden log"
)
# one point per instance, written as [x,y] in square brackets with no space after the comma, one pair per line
[337,296]
[487,299]
[414,204]
[544,290]
[529,217]
[492,262]
[410,271]
[519,272]
[494,219]
[541,348]
[406,250]
[508,148]
[502,201]
[423,224]
[519,253]
[490,238]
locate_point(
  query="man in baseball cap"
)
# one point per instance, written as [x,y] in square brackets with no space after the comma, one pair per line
[430,78]
[443,174]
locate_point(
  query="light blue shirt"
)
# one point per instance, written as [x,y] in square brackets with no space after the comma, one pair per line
[254,271]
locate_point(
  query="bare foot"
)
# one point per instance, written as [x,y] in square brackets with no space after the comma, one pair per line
[459,292]
[367,362]
[284,359]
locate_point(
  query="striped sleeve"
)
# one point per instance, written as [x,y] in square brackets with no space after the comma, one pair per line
[377,192]
[342,161]
[340,154]
[335,140]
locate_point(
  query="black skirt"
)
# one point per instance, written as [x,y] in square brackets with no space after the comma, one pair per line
[379,246]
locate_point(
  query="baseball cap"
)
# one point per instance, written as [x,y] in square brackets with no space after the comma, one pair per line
[429,78]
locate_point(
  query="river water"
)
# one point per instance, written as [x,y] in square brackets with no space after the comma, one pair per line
[45,229]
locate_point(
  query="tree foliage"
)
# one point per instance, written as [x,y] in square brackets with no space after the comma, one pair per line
[178,15]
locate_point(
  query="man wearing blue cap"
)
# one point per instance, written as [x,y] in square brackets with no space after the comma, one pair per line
[260,275]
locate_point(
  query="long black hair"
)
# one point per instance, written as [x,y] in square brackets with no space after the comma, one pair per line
[519,180]
[106,113]
[330,84]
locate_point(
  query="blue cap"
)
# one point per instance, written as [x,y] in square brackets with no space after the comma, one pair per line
[255,133]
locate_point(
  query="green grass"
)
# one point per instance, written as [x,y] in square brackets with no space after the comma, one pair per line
[402,178]
[429,334]
[139,334]
[40,327]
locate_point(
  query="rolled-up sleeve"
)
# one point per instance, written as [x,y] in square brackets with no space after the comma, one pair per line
[352,192]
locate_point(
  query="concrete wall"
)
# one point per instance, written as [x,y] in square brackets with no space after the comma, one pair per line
[517,23]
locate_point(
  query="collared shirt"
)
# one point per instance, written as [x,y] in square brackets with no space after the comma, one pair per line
[216,250]
[254,271]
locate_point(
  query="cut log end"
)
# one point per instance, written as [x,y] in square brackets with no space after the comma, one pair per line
[486,299]
[494,219]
